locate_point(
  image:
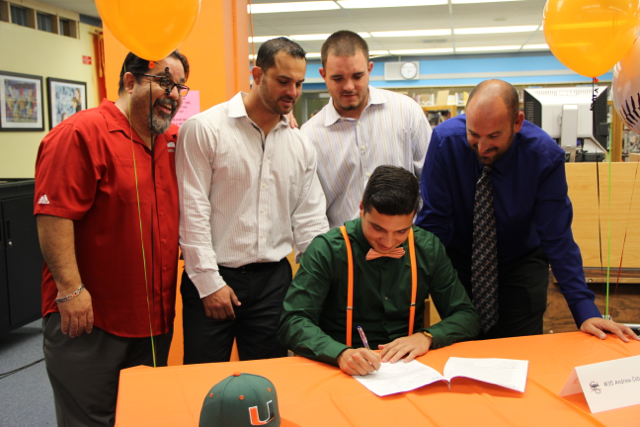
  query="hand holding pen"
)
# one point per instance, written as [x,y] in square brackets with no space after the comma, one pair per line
[361,361]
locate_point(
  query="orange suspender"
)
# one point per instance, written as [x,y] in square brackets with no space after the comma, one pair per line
[414,283]
[350,289]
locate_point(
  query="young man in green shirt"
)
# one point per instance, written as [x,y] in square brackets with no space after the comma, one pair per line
[316,308]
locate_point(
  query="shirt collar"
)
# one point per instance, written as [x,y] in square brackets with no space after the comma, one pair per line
[238,110]
[332,116]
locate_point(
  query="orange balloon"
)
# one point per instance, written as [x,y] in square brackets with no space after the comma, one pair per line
[590,36]
[151,29]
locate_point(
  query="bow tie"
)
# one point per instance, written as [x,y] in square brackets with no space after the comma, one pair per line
[396,253]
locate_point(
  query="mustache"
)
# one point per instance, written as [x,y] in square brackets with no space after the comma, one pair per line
[166,102]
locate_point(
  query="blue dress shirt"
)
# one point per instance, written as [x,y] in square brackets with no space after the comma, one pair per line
[532,206]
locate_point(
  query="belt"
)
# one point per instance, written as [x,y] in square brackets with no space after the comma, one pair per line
[252,268]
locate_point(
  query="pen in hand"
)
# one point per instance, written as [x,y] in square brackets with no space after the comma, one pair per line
[363,337]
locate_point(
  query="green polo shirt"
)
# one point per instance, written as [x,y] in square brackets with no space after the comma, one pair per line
[313,322]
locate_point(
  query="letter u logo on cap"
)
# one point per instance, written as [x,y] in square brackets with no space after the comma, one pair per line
[255,416]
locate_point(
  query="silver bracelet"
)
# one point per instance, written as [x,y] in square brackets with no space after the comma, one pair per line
[71,296]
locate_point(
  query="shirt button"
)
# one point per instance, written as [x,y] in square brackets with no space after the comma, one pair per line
[161,213]
[164,268]
[261,210]
[262,236]
[264,185]
[386,298]
[368,174]
[164,240]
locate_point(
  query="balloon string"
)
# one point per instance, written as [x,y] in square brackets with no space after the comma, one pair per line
[600,227]
[608,236]
[626,227]
[253,44]
[599,209]
[144,258]
[594,94]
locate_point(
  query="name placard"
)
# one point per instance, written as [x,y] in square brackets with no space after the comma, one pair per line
[606,385]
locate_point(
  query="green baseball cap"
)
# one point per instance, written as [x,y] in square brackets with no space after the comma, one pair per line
[242,400]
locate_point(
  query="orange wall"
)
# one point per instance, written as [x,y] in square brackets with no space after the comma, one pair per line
[219,61]
[218,53]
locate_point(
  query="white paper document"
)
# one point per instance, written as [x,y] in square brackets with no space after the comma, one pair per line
[401,377]
[606,385]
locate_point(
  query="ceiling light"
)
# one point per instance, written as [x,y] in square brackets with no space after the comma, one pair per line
[364,35]
[478,1]
[421,51]
[301,6]
[486,48]
[417,33]
[496,30]
[308,55]
[262,39]
[307,37]
[378,52]
[536,46]
[369,4]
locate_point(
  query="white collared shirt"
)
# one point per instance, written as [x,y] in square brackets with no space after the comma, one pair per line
[240,203]
[392,130]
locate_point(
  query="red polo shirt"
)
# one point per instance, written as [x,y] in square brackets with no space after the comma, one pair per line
[84,172]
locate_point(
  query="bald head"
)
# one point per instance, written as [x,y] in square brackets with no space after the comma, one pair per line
[492,94]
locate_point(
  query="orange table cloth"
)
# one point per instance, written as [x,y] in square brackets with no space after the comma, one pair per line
[314,394]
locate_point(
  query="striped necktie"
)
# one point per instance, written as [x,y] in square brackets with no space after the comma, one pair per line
[484,255]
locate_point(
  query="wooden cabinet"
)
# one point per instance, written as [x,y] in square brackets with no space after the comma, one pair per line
[20,257]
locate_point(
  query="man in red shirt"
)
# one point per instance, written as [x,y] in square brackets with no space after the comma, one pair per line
[106,202]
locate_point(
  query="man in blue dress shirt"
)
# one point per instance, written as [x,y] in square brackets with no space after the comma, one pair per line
[533,212]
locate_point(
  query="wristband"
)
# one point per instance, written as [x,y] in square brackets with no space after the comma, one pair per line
[71,296]
[427,334]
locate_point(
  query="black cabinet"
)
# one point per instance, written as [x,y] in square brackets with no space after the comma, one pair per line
[20,256]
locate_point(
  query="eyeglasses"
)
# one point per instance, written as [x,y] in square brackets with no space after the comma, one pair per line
[166,84]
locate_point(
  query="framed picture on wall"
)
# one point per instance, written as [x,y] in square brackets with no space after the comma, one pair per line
[66,97]
[21,106]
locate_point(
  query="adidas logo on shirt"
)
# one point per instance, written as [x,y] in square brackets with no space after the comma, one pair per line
[44,200]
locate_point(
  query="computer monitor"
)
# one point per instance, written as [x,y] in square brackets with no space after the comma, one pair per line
[566,114]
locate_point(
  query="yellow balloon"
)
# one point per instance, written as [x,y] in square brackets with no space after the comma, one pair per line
[151,29]
[590,36]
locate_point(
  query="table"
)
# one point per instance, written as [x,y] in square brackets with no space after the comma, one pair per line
[314,394]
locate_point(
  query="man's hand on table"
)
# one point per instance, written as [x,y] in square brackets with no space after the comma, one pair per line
[219,305]
[358,361]
[411,347]
[597,325]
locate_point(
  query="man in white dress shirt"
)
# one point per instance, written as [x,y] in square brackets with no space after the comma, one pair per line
[248,193]
[361,128]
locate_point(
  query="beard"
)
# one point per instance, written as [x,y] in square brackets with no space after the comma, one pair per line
[498,155]
[352,106]
[274,104]
[159,123]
